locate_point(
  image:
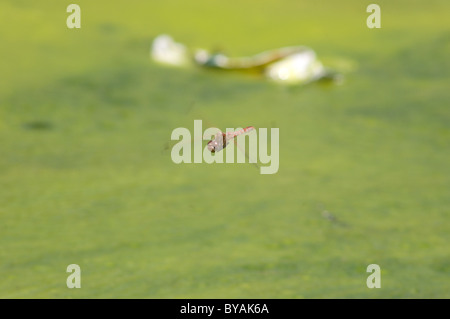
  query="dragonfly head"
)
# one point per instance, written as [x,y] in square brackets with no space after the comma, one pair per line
[212,146]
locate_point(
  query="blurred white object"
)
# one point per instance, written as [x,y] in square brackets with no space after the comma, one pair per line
[299,67]
[289,65]
[165,50]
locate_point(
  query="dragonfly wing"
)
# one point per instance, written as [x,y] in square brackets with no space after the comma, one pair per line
[250,160]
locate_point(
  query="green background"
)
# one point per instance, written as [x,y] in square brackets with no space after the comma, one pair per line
[85,115]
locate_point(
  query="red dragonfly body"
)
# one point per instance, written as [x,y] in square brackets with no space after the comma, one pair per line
[221,139]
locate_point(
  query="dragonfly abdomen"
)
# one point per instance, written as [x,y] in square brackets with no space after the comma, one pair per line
[244,130]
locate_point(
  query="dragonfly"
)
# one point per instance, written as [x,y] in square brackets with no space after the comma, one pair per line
[221,139]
